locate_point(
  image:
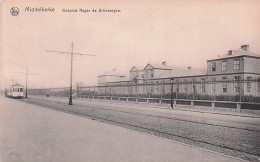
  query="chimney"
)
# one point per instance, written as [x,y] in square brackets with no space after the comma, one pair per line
[164,63]
[245,47]
[230,52]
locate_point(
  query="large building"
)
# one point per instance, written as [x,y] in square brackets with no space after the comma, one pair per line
[235,73]
[238,65]
[110,76]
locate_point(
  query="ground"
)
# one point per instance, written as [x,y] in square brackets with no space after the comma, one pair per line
[46,134]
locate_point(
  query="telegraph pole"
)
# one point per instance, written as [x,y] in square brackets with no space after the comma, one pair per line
[172,92]
[71,66]
[26,79]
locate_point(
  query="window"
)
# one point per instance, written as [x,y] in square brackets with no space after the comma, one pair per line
[237,84]
[203,87]
[151,73]
[248,84]
[224,84]
[213,85]
[213,66]
[236,64]
[224,65]
[237,78]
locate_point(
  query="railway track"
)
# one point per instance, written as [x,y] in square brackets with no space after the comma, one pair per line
[163,117]
[247,155]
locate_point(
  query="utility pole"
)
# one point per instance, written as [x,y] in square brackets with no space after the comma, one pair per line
[71,66]
[26,79]
[193,89]
[172,92]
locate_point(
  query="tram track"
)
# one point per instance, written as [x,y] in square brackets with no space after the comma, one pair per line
[248,155]
[163,117]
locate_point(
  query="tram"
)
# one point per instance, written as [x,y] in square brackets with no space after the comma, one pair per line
[15,91]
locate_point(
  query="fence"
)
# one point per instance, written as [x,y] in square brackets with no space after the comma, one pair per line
[62,92]
[233,94]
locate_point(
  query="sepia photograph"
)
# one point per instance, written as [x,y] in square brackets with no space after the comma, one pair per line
[129,80]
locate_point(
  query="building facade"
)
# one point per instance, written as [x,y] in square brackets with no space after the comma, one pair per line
[240,66]
[235,73]
[110,76]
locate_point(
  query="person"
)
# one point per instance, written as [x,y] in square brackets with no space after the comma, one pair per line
[48,94]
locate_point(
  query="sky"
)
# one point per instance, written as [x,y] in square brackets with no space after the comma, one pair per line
[182,32]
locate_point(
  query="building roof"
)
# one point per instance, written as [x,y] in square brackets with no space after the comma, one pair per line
[139,68]
[17,85]
[183,72]
[112,73]
[236,53]
[159,66]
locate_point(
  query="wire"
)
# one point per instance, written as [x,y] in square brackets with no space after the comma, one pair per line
[81,54]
